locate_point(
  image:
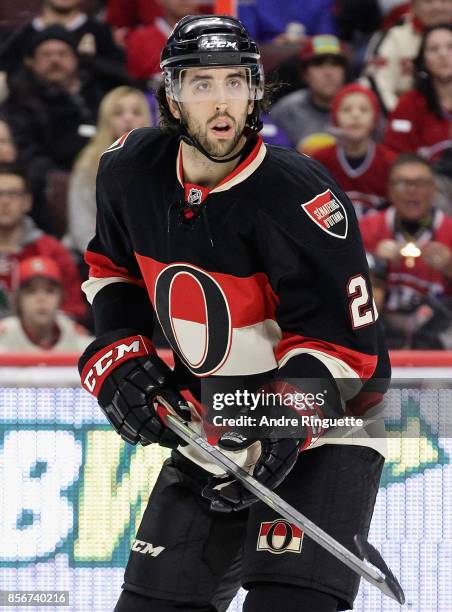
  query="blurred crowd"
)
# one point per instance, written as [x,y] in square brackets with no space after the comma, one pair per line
[362,86]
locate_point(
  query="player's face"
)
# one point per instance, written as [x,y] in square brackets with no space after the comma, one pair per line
[325,79]
[14,201]
[438,54]
[54,61]
[128,113]
[356,117]
[39,300]
[411,191]
[433,12]
[215,107]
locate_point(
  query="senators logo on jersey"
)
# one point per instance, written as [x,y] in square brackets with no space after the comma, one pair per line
[279,537]
[328,213]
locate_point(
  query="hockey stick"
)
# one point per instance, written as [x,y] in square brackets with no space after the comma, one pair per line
[383,579]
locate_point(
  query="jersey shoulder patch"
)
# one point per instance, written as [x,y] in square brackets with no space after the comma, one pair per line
[311,205]
[328,212]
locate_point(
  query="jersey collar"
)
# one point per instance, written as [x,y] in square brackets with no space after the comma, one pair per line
[238,175]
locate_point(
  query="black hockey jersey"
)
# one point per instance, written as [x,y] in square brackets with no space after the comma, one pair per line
[265,271]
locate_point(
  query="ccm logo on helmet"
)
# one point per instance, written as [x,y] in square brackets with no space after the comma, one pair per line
[219,44]
[101,364]
[279,537]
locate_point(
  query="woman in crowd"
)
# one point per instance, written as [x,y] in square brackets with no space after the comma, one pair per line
[422,120]
[121,110]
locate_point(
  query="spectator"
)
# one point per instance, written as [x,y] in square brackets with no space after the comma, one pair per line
[51,109]
[414,240]
[122,109]
[360,166]
[99,56]
[144,44]
[304,114]
[422,120]
[391,55]
[8,149]
[38,324]
[20,239]
[270,22]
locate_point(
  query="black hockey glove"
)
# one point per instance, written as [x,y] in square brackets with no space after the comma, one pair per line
[275,459]
[122,370]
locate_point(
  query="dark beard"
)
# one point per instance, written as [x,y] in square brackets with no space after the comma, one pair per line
[213,149]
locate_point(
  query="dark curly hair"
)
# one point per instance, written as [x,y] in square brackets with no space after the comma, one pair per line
[169,123]
[423,78]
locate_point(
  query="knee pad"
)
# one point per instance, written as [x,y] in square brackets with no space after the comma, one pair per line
[269,597]
[139,603]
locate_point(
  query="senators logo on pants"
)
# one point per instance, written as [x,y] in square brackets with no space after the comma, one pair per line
[279,537]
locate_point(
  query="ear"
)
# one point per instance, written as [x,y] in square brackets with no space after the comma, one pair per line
[173,108]
[251,104]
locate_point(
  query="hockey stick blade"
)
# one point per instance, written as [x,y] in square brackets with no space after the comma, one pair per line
[383,579]
[371,554]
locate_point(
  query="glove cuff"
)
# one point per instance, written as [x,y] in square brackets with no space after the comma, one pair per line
[105,360]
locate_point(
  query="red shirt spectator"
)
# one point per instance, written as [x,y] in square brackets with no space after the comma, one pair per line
[408,278]
[144,44]
[365,184]
[359,165]
[20,239]
[143,48]
[414,127]
[132,13]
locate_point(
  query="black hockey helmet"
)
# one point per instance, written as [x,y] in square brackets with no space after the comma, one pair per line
[210,41]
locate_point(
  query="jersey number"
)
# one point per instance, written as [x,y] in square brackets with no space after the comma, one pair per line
[361,312]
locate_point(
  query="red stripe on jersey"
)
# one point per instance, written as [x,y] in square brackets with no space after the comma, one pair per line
[364,365]
[250,299]
[101,266]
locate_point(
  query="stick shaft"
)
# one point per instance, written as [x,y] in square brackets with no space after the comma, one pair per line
[278,504]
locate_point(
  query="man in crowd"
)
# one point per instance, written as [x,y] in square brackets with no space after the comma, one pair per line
[99,56]
[51,109]
[305,113]
[38,324]
[20,239]
[414,240]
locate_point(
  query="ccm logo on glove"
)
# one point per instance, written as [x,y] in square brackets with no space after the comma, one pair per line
[99,367]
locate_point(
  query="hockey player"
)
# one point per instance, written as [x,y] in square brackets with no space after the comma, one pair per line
[251,259]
